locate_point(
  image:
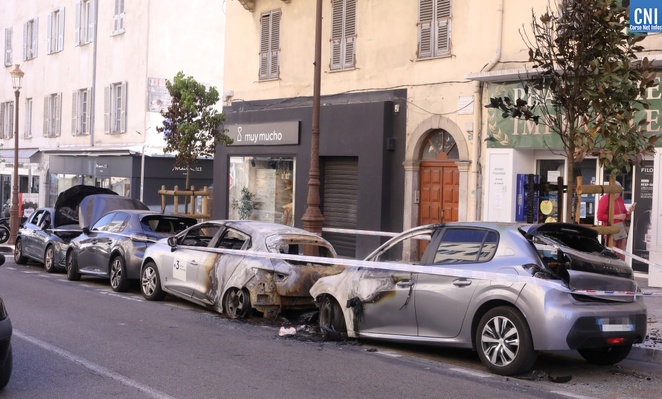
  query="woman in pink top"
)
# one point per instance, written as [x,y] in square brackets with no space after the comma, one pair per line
[621,213]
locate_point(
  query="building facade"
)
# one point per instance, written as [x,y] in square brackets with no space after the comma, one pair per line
[93,89]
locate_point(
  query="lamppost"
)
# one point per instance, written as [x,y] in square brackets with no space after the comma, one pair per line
[16,76]
[313,220]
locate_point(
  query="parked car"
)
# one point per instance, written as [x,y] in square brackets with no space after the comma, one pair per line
[504,290]
[114,246]
[187,266]
[44,237]
[6,358]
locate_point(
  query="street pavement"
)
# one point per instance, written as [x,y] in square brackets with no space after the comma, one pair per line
[648,351]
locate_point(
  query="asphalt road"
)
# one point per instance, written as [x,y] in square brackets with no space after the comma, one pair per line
[82,340]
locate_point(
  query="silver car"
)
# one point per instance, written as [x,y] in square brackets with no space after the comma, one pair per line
[114,246]
[504,290]
[190,266]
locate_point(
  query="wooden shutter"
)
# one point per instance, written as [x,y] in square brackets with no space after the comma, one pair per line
[106,108]
[8,48]
[2,120]
[425,14]
[350,34]
[90,22]
[264,45]
[78,27]
[88,107]
[340,207]
[60,31]
[275,45]
[74,114]
[49,30]
[58,115]
[10,125]
[35,36]
[25,41]
[336,34]
[443,21]
[47,118]
[123,109]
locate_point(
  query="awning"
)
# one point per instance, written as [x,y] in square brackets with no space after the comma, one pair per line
[23,155]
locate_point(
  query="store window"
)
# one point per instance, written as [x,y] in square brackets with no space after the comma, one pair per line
[261,188]
[63,181]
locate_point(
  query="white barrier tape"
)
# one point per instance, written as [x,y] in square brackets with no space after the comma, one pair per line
[357,232]
[430,269]
[633,256]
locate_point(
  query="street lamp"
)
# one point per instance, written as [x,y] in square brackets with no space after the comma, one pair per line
[16,76]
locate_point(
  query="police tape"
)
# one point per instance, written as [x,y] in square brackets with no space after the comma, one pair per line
[429,269]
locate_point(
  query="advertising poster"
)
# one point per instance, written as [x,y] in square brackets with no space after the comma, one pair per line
[641,217]
[27,204]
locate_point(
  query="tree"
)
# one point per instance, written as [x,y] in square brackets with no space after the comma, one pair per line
[191,125]
[588,87]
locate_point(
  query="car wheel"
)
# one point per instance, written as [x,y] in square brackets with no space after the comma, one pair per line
[18,253]
[49,259]
[150,283]
[4,234]
[605,356]
[72,267]
[331,319]
[237,303]
[5,370]
[504,341]
[118,280]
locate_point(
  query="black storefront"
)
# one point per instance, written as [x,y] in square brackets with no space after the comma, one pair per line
[125,174]
[264,173]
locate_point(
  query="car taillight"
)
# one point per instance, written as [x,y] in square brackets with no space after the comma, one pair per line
[615,341]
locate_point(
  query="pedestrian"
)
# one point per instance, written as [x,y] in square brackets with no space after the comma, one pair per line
[621,214]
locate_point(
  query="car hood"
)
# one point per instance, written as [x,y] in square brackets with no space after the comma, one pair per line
[68,202]
[93,207]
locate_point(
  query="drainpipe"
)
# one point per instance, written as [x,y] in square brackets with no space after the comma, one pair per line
[476,173]
[93,89]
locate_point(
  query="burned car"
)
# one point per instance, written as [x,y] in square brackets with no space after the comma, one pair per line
[504,290]
[114,246]
[192,266]
[46,233]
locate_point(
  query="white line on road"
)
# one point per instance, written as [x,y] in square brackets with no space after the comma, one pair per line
[93,366]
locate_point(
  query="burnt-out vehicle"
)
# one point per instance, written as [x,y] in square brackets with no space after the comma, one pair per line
[189,266]
[504,290]
[45,235]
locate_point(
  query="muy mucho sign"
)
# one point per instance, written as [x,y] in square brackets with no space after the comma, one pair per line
[276,133]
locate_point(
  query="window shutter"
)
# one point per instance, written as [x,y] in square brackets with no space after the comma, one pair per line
[8,39]
[74,113]
[425,14]
[58,115]
[77,29]
[264,45]
[124,98]
[336,34]
[90,22]
[10,126]
[87,112]
[350,34]
[35,36]
[49,30]
[106,109]
[2,120]
[47,120]
[25,41]
[275,45]
[60,31]
[443,26]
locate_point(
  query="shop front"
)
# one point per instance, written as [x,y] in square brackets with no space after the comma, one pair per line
[361,150]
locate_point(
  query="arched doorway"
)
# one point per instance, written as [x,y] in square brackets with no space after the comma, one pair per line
[439,179]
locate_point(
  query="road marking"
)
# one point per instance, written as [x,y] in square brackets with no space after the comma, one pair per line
[94,367]
[472,373]
[572,395]
[389,354]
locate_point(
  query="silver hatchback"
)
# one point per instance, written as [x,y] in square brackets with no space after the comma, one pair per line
[504,290]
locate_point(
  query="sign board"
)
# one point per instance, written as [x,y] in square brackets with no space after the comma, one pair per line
[645,16]
[275,133]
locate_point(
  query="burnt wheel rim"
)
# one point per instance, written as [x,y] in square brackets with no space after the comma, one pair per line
[116,274]
[18,249]
[48,260]
[236,303]
[500,341]
[148,281]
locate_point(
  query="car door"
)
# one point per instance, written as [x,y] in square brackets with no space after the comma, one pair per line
[28,233]
[94,246]
[41,236]
[183,263]
[442,300]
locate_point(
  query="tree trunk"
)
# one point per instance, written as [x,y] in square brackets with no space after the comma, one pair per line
[570,194]
[188,187]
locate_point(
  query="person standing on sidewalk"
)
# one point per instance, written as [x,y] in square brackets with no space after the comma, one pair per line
[621,214]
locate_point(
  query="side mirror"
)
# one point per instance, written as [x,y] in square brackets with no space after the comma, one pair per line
[172,241]
[86,230]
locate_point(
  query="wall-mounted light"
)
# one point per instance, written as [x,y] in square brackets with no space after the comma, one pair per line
[396,108]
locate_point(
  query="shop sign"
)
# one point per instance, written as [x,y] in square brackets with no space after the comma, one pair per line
[276,133]
[645,16]
[523,134]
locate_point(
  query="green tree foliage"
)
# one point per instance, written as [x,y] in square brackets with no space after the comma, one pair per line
[191,125]
[587,85]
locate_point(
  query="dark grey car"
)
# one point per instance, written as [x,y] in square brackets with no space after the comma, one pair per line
[114,246]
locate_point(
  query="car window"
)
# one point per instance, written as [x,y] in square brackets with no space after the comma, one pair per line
[463,245]
[34,218]
[102,224]
[118,223]
[402,249]
[200,236]
[165,225]
[232,239]
[45,221]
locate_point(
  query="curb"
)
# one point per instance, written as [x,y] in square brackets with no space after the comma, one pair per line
[644,354]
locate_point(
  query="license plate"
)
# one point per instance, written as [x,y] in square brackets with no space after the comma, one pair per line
[615,324]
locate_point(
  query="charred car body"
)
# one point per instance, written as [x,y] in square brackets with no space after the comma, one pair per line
[504,290]
[46,233]
[189,266]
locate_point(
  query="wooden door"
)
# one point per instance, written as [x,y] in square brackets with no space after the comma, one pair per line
[439,188]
